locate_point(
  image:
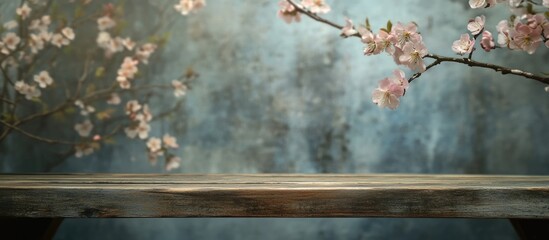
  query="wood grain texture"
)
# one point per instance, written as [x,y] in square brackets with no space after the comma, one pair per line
[270,195]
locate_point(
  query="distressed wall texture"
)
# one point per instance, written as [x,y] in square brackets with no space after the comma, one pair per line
[295,98]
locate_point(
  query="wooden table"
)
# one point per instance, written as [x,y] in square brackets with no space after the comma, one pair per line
[43,200]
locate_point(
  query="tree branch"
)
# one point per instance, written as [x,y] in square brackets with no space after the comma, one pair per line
[41,139]
[438,59]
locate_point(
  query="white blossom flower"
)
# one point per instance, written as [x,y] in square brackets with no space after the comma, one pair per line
[187,6]
[154,144]
[85,110]
[180,89]
[83,150]
[103,39]
[23,11]
[36,43]
[30,91]
[141,130]
[11,40]
[59,40]
[128,43]
[43,79]
[132,107]
[172,163]
[84,129]
[46,36]
[105,23]
[170,141]
[114,99]
[45,20]
[68,33]
[146,115]
[144,52]
[127,72]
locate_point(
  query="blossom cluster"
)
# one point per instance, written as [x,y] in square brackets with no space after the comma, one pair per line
[34,34]
[402,41]
[526,30]
[512,3]
[525,33]
[14,49]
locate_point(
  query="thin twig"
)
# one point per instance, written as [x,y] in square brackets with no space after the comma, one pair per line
[35,137]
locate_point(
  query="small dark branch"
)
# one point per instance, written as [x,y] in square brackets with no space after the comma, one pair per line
[497,68]
[315,17]
[38,138]
[473,50]
[7,101]
[418,74]
[82,77]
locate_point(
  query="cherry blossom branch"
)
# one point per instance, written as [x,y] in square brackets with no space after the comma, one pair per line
[497,68]
[438,59]
[7,101]
[35,137]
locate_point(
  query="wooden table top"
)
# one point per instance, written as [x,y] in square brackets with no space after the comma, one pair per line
[274,195]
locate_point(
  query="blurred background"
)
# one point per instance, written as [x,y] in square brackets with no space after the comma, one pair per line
[279,98]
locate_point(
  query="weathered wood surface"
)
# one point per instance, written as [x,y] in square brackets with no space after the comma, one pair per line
[267,195]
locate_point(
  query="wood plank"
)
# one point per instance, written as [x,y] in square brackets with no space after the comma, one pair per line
[274,195]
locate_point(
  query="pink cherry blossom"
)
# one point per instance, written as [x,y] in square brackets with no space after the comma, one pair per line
[384,42]
[400,78]
[405,34]
[369,40]
[387,94]
[288,12]
[412,56]
[464,45]
[487,41]
[476,25]
[526,38]
[316,6]
[504,35]
[348,29]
